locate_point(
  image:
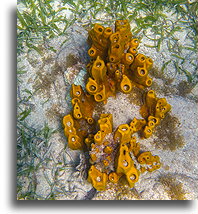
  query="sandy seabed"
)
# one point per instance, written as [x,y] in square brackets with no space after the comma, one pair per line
[175,140]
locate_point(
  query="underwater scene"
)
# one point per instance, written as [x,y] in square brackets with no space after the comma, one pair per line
[107,100]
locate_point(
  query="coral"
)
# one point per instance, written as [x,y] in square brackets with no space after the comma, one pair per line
[114,155]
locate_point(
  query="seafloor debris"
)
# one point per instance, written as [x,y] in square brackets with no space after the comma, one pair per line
[115,66]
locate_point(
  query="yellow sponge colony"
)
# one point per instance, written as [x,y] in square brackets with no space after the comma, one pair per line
[115,65]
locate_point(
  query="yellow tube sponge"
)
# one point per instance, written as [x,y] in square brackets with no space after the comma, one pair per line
[153,110]
[125,85]
[125,165]
[114,177]
[137,124]
[74,137]
[99,38]
[162,107]
[106,123]
[154,106]
[97,178]
[99,70]
[152,162]
[132,176]
[115,62]
[124,161]
[83,104]
[123,134]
